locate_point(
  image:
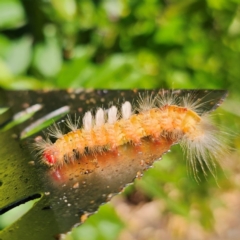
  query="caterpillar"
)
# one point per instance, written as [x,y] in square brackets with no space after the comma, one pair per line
[154,116]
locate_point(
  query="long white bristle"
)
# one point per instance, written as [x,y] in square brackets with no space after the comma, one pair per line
[204,148]
[112,115]
[55,131]
[87,121]
[167,98]
[73,125]
[146,102]
[41,145]
[126,110]
[192,103]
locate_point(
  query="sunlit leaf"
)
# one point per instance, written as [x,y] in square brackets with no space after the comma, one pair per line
[11,14]
[48,58]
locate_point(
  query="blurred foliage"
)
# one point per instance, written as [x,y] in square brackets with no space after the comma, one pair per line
[119,43]
[107,228]
[129,44]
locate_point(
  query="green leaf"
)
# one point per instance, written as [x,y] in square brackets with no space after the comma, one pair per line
[22,83]
[5,72]
[78,71]
[18,55]
[106,225]
[79,188]
[10,217]
[48,58]
[66,9]
[11,14]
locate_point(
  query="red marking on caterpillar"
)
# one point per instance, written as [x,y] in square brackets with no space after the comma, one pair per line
[50,158]
[163,115]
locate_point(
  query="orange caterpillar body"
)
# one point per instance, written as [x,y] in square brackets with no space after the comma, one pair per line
[163,115]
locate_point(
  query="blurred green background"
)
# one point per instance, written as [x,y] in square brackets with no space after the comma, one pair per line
[136,44]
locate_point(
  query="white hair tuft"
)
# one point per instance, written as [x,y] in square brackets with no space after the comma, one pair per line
[112,115]
[126,110]
[88,121]
[99,118]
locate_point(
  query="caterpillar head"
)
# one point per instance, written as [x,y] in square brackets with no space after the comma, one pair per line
[45,151]
[49,157]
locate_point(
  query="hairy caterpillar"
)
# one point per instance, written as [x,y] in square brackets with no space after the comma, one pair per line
[165,115]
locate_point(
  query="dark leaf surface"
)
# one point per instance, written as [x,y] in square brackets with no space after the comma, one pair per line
[68,194]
